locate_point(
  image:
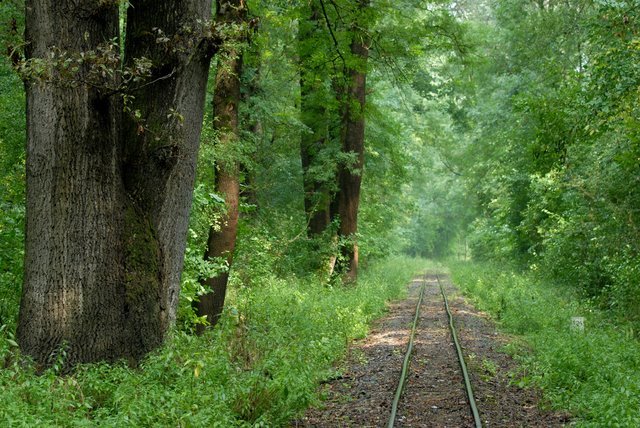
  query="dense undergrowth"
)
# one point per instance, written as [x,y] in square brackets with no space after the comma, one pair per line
[261,367]
[594,374]
[12,193]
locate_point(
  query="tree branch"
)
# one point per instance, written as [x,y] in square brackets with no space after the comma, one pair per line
[450,168]
[333,36]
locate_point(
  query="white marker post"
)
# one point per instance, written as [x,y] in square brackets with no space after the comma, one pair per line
[577,324]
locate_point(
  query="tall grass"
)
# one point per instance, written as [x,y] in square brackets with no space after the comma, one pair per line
[594,374]
[261,367]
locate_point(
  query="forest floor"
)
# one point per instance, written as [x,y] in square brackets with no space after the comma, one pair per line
[434,395]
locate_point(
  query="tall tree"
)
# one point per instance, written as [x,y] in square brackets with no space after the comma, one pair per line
[109,184]
[226,98]
[353,130]
[315,94]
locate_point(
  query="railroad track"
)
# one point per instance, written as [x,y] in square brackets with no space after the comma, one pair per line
[402,382]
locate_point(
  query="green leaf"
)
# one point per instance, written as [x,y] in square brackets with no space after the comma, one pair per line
[216,198]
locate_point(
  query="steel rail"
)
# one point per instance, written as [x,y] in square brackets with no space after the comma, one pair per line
[463,366]
[407,359]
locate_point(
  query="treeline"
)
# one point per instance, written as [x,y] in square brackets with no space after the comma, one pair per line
[548,121]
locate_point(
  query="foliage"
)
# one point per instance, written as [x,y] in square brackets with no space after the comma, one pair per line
[513,124]
[549,126]
[12,172]
[277,340]
[594,374]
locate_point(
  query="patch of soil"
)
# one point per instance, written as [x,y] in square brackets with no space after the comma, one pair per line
[434,395]
[363,396]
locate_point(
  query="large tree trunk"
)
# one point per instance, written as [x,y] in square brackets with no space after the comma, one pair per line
[161,161]
[107,197]
[314,115]
[226,98]
[350,176]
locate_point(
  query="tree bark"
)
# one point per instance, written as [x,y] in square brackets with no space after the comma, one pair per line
[226,99]
[350,176]
[108,196]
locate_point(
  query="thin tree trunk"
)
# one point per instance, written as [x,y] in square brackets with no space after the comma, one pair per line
[107,198]
[252,73]
[250,193]
[226,98]
[350,176]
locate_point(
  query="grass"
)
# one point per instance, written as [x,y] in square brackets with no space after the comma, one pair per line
[277,341]
[595,374]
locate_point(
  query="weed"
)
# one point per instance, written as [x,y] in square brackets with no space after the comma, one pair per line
[489,368]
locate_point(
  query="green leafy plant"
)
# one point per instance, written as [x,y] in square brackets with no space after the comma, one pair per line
[593,374]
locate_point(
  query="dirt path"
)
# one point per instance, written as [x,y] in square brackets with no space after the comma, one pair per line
[434,395]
